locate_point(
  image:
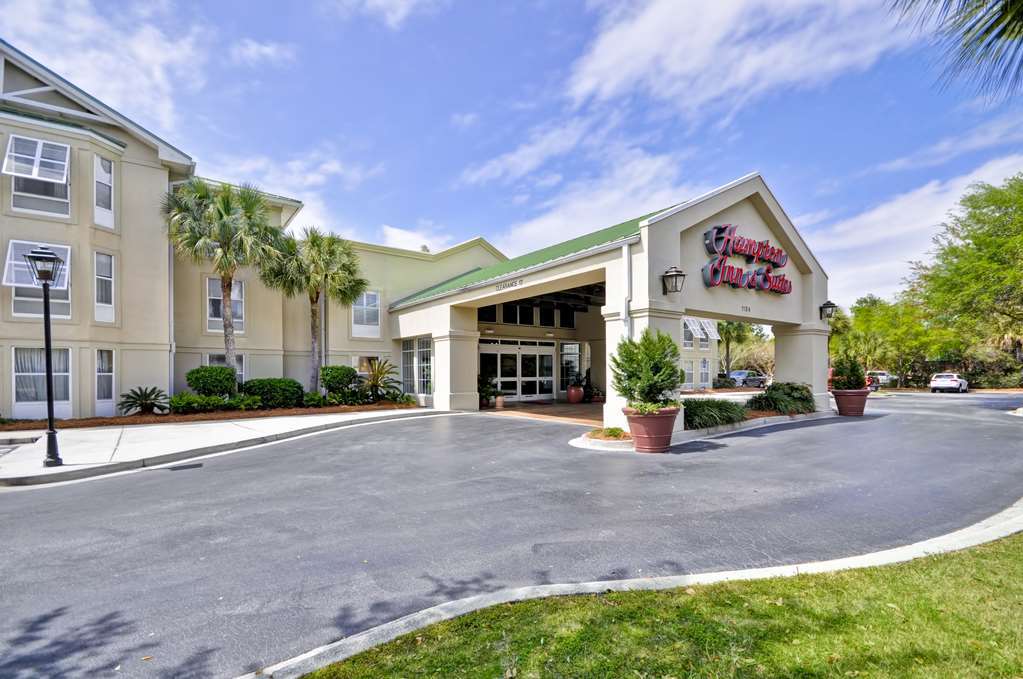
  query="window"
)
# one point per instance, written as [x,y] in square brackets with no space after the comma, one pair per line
[425,351]
[704,372]
[366,315]
[35,195]
[29,302]
[710,328]
[704,343]
[571,364]
[363,364]
[567,317]
[30,375]
[687,337]
[487,314]
[38,160]
[104,287]
[687,366]
[214,305]
[104,375]
[103,192]
[408,366]
[27,298]
[221,359]
[546,315]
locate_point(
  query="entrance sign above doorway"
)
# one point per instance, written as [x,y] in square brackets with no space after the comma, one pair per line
[722,242]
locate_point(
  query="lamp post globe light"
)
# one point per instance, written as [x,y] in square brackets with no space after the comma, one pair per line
[46,267]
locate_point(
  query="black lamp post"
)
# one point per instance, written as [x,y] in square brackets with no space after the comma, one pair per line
[46,267]
[828,310]
[672,280]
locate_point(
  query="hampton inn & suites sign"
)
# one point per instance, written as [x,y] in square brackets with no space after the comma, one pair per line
[722,242]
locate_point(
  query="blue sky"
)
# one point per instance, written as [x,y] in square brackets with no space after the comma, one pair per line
[412,122]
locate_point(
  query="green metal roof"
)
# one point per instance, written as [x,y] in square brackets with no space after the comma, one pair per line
[530,259]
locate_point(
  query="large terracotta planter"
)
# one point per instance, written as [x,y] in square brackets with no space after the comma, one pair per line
[651,433]
[575,394]
[850,402]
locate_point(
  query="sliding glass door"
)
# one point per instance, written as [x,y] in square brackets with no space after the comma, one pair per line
[522,369]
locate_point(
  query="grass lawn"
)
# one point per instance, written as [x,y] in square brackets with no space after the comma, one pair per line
[955,615]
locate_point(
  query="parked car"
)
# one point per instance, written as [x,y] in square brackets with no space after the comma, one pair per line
[749,378]
[949,382]
[881,377]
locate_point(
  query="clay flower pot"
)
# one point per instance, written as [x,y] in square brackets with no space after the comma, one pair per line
[850,402]
[575,394]
[651,433]
[499,402]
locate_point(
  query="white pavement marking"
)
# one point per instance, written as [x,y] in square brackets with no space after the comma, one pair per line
[1000,525]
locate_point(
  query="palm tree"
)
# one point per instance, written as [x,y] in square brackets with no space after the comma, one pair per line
[224,225]
[319,265]
[984,38]
[732,332]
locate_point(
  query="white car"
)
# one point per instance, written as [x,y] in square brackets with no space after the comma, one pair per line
[949,382]
[881,377]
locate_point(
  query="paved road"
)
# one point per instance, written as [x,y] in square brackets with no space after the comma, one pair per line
[220,566]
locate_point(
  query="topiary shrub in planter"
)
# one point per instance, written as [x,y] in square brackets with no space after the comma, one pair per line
[338,378]
[703,413]
[848,386]
[788,398]
[275,392]
[212,380]
[646,372]
[487,389]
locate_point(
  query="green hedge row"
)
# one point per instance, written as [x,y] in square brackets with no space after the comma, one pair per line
[788,398]
[701,413]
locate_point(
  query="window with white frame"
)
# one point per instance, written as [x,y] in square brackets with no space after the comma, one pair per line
[687,366]
[104,310]
[215,305]
[104,374]
[424,347]
[704,372]
[34,195]
[27,297]
[416,360]
[37,159]
[704,343]
[221,359]
[408,366]
[30,375]
[103,192]
[363,364]
[366,315]
[687,337]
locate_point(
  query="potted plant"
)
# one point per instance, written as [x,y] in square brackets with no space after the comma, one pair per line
[575,389]
[587,388]
[647,373]
[487,388]
[848,386]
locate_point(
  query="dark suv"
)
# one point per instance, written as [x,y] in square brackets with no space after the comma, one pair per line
[748,378]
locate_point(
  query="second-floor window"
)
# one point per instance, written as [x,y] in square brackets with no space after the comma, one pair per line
[27,297]
[103,210]
[366,315]
[215,305]
[104,287]
[41,177]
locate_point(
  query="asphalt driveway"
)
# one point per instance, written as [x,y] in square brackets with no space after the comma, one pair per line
[224,565]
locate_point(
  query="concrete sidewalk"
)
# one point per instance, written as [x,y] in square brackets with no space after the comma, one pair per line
[106,450]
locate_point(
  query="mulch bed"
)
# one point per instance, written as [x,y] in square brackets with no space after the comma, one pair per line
[754,414]
[129,420]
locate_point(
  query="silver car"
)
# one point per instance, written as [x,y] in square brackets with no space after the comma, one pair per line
[949,382]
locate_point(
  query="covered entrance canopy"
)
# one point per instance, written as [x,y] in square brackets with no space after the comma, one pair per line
[743,258]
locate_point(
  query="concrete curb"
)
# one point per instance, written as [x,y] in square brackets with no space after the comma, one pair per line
[690,435]
[1000,525]
[127,465]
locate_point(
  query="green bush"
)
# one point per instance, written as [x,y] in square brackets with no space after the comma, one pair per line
[723,383]
[381,380]
[243,402]
[212,380]
[847,373]
[275,392]
[701,413]
[314,399]
[646,372]
[403,399]
[187,403]
[338,378]
[789,398]
[144,400]
[349,397]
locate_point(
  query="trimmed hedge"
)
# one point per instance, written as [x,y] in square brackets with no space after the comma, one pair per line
[314,399]
[789,398]
[212,380]
[701,413]
[187,403]
[338,378]
[275,392]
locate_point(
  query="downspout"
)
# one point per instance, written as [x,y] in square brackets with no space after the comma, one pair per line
[323,330]
[626,303]
[170,318]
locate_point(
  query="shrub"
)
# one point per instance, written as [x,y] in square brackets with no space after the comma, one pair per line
[314,399]
[701,413]
[349,397]
[847,373]
[212,380]
[486,387]
[381,379]
[275,392]
[789,398]
[243,402]
[338,378]
[723,383]
[646,372]
[403,399]
[187,403]
[144,400]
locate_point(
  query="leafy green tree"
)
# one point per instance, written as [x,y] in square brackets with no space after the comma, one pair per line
[983,38]
[646,371]
[226,226]
[732,333]
[319,265]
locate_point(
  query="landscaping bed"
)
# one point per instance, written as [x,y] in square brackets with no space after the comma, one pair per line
[128,420]
[953,615]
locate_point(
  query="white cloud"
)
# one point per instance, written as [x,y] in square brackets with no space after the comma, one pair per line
[702,57]
[809,219]
[391,12]
[634,183]
[544,144]
[869,251]
[123,59]
[428,234]
[463,120]
[251,52]
[1001,131]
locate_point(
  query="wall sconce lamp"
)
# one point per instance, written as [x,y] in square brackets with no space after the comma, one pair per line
[828,310]
[672,280]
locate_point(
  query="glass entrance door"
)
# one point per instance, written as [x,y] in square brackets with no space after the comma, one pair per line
[522,369]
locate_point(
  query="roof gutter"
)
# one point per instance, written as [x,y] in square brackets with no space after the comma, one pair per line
[575,256]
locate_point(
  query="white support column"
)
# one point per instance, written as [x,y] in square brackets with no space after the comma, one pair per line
[614,331]
[455,366]
[801,355]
